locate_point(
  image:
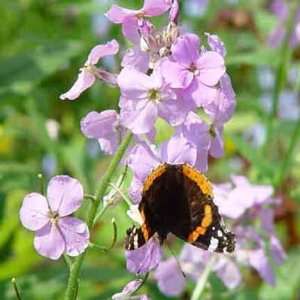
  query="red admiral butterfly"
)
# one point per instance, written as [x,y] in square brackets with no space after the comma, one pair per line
[178,199]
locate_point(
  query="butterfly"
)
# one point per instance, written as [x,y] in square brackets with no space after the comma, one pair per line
[178,199]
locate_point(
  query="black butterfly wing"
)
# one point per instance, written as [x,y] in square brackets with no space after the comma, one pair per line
[201,223]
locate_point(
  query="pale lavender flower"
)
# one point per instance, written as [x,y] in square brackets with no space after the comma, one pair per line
[145,98]
[128,290]
[56,232]
[137,59]
[169,277]
[144,258]
[233,199]
[90,72]
[105,127]
[132,20]
[198,74]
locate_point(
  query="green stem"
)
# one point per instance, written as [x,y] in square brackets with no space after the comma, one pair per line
[76,266]
[16,289]
[289,155]
[281,73]
[202,280]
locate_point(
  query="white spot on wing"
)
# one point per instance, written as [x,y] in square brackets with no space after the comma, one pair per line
[213,244]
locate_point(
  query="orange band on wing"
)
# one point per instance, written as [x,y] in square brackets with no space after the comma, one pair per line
[198,178]
[153,175]
[205,223]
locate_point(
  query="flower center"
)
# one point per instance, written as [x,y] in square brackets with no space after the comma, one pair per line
[212,131]
[53,216]
[154,95]
[193,68]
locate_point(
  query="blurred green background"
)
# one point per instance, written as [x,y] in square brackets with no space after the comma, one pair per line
[43,43]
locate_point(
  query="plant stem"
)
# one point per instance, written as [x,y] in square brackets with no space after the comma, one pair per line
[202,280]
[76,266]
[16,289]
[289,155]
[281,73]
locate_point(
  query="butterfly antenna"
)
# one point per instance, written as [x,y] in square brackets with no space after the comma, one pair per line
[176,259]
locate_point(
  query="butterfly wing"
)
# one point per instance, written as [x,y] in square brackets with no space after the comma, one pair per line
[206,228]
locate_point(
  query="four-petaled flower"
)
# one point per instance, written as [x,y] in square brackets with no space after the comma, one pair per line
[197,73]
[56,231]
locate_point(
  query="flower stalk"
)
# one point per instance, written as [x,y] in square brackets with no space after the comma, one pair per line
[202,280]
[76,266]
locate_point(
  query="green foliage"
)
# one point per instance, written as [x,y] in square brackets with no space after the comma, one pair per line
[43,45]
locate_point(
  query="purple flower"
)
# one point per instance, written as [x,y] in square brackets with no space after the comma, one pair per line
[132,20]
[90,72]
[234,199]
[145,258]
[222,107]
[170,278]
[145,98]
[197,73]
[206,139]
[129,289]
[56,232]
[193,261]
[105,127]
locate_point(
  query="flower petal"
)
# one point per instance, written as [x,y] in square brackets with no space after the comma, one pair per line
[216,44]
[178,151]
[154,8]
[211,67]
[76,235]
[259,261]
[217,144]
[176,75]
[145,258]
[277,251]
[65,194]
[84,81]
[34,211]
[49,242]
[228,272]
[169,277]
[130,288]
[185,51]
[134,85]
[99,51]
[141,117]
[141,161]
[98,125]
[136,58]
[118,14]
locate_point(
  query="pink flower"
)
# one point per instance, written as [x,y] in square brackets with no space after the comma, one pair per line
[90,72]
[145,98]
[132,19]
[56,232]
[198,74]
[145,258]
[234,199]
[105,127]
